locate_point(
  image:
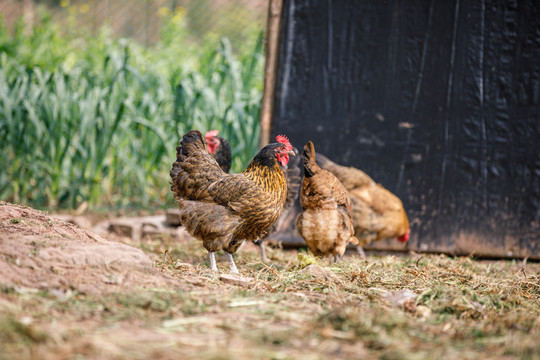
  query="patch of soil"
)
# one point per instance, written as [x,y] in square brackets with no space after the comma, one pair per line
[39,251]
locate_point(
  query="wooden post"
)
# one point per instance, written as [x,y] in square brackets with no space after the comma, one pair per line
[273,31]
[28,16]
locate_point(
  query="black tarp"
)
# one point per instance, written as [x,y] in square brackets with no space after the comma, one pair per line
[439,101]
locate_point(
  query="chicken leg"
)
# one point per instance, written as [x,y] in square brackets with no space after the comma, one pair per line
[232,265]
[212,257]
[263,250]
[360,251]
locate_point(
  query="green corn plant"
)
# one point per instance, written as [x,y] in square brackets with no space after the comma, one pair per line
[100,123]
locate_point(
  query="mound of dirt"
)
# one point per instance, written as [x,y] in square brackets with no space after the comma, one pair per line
[39,251]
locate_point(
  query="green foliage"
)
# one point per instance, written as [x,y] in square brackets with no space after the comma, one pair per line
[96,119]
[305,259]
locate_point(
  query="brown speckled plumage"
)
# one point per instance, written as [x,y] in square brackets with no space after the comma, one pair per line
[220,209]
[377,213]
[326,222]
[293,177]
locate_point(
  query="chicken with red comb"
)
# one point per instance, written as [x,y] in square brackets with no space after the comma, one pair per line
[219,148]
[283,140]
[293,177]
[224,210]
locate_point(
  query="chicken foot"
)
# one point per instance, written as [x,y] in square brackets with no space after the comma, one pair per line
[232,265]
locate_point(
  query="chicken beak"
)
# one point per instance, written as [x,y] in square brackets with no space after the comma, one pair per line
[291,153]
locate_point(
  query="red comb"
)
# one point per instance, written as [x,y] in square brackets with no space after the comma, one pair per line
[211,133]
[283,139]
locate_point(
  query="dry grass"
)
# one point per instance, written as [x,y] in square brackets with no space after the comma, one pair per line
[464,309]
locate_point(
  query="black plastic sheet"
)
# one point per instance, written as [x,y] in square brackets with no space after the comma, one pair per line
[439,101]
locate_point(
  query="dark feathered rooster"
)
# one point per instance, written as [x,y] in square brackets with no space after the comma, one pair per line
[220,149]
[224,210]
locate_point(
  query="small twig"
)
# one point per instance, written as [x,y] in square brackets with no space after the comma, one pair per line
[523,265]
[171,261]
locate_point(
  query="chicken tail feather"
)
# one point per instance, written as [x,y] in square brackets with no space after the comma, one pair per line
[308,157]
[191,142]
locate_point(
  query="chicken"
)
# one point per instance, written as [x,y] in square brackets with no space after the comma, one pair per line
[293,178]
[220,149]
[326,222]
[223,210]
[377,213]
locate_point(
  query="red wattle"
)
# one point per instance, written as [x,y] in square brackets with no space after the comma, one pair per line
[405,237]
[283,160]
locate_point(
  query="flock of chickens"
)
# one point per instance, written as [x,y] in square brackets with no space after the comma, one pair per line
[341,205]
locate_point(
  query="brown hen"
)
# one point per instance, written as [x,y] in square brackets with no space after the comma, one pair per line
[325,223]
[220,150]
[224,210]
[377,213]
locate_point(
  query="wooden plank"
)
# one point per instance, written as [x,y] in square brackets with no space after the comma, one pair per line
[404,96]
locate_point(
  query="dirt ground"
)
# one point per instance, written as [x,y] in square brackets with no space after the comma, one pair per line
[68,293]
